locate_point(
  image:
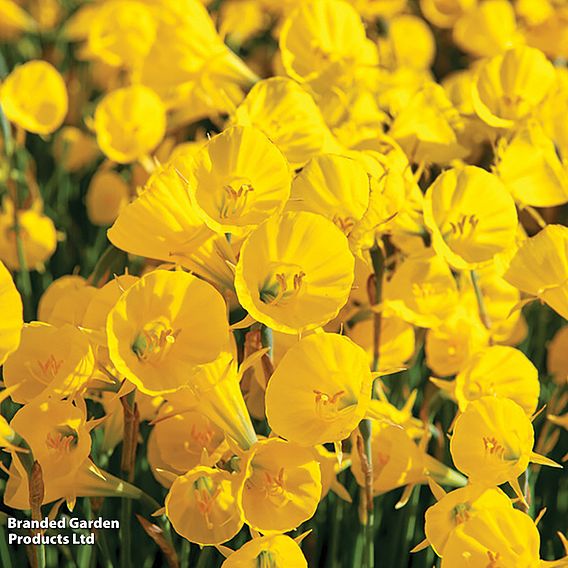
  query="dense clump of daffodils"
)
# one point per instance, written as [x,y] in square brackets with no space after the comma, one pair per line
[319,247]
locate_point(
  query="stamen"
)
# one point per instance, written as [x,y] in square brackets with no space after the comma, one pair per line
[266,559]
[327,406]
[205,498]
[154,341]
[282,290]
[464,226]
[493,447]
[461,513]
[47,370]
[346,224]
[61,441]
[234,201]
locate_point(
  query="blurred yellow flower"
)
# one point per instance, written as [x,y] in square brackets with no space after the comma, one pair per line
[107,195]
[540,267]
[45,111]
[12,314]
[129,123]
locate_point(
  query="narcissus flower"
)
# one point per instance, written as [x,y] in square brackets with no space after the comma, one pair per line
[510,87]
[65,301]
[422,291]
[529,167]
[487,29]
[129,123]
[238,180]
[107,195]
[500,371]
[188,64]
[162,224]
[74,149]
[295,272]
[12,314]
[289,116]
[121,33]
[50,361]
[37,232]
[281,487]
[471,216]
[399,461]
[320,390]
[427,127]
[459,507]
[274,551]
[14,21]
[324,44]
[85,481]
[334,186]
[418,54]
[183,436]
[540,267]
[216,388]
[202,506]
[450,344]
[503,537]
[492,442]
[42,113]
[163,327]
[57,433]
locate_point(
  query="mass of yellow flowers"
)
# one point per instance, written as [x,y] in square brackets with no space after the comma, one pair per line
[284,283]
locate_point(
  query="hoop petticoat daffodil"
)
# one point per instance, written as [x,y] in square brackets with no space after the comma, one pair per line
[12,314]
[163,326]
[238,180]
[294,272]
[493,442]
[320,390]
[471,216]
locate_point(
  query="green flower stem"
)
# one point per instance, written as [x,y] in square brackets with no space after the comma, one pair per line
[23,279]
[483,315]
[366,427]
[127,467]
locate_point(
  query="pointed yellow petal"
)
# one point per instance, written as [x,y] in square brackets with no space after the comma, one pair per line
[518,491]
[301,537]
[436,489]
[341,491]
[224,550]
[543,460]
[420,546]
[405,496]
